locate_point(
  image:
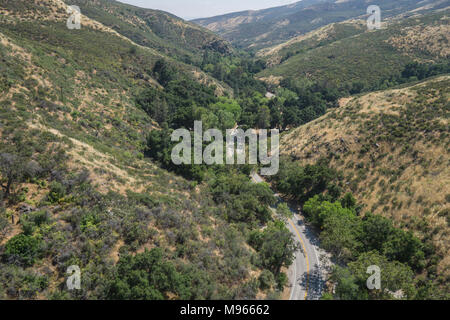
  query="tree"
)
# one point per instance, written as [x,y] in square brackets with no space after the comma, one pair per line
[340,235]
[346,287]
[303,183]
[405,247]
[348,201]
[244,200]
[12,169]
[164,72]
[276,246]
[276,106]
[266,280]
[159,145]
[284,211]
[318,211]
[395,276]
[351,282]
[153,102]
[147,276]
[376,231]
[22,249]
[4,221]
[263,117]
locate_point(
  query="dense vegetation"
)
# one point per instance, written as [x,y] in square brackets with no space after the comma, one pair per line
[76,188]
[159,234]
[359,239]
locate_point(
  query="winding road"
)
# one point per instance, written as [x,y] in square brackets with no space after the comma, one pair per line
[306,276]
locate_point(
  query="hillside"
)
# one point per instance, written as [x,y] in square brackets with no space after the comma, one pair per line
[317,38]
[76,187]
[87,177]
[392,147]
[155,29]
[347,53]
[265,28]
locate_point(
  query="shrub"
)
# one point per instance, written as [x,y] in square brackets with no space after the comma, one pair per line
[3,220]
[57,192]
[32,220]
[23,249]
[147,276]
[282,280]
[266,280]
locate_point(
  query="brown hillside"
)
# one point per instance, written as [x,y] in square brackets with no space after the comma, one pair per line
[393,147]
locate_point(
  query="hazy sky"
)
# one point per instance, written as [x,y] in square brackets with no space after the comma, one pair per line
[191,9]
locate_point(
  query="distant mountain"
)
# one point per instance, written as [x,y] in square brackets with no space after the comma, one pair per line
[264,28]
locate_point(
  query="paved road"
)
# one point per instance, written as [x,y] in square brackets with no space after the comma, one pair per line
[305,275]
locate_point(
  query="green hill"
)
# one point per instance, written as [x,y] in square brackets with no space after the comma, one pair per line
[344,54]
[75,186]
[155,29]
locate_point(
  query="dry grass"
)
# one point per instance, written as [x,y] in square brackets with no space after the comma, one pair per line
[431,39]
[418,193]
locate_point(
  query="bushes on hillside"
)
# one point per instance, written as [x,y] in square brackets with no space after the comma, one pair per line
[22,249]
[275,246]
[244,200]
[148,276]
[413,71]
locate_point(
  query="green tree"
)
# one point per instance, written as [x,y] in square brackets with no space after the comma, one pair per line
[376,230]
[263,117]
[164,72]
[340,235]
[405,247]
[346,285]
[284,211]
[395,276]
[13,170]
[22,249]
[266,280]
[303,183]
[147,276]
[348,201]
[276,247]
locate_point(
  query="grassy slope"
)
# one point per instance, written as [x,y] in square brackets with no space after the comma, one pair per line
[318,38]
[393,147]
[155,29]
[73,89]
[369,56]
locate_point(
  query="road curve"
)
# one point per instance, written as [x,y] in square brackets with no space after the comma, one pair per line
[305,274]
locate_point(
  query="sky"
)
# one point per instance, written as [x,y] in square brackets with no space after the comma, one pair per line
[192,9]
